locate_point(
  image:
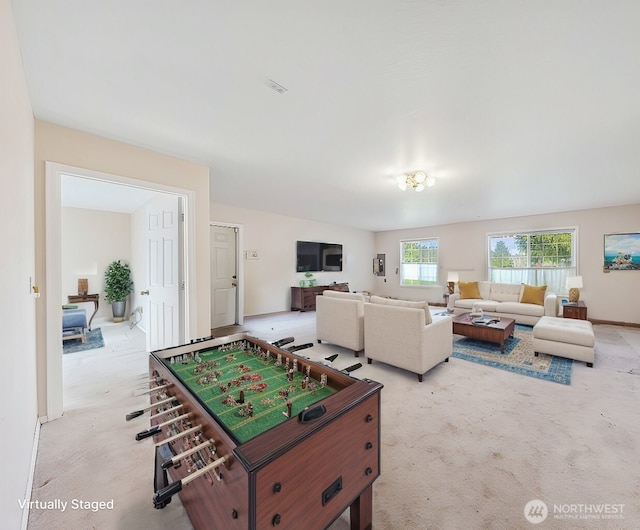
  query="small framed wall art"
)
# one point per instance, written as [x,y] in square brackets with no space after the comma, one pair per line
[622,252]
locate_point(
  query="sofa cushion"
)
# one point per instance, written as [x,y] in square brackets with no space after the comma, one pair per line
[340,294]
[469,290]
[404,303]
[518,308]
[470,303]
[533,294]
[505,292]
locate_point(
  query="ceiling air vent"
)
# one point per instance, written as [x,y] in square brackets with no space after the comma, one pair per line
[275,86]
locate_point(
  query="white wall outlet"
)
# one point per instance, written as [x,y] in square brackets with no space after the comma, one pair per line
[252,254]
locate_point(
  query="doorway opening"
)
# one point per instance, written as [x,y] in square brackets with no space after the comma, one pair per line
[125,188]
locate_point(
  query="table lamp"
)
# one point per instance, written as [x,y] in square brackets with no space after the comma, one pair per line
[452,278]
[574,284]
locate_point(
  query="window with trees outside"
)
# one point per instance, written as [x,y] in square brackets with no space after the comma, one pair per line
[419,262]
[535,258]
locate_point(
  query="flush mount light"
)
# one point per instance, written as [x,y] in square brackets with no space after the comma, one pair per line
[417,181]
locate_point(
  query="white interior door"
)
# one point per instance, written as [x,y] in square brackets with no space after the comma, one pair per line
[163,238]
[224,276]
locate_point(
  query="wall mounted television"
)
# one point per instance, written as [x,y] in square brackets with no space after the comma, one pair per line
[312,256]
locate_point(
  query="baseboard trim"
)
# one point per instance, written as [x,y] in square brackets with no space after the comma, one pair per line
[614,323]
[32,471]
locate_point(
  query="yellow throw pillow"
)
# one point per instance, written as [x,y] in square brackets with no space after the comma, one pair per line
[469,290]
[533,294]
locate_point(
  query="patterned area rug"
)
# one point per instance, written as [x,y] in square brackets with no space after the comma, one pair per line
[94,340]
[518,357]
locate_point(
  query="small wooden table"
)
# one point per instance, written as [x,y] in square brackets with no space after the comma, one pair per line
[80,298]
[576,310]
[496,332]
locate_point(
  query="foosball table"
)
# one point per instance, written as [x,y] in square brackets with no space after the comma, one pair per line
[253,436]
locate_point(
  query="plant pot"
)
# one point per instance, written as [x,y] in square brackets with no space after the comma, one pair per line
[303,283]
[118,309]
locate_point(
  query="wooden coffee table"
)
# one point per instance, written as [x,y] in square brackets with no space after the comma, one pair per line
[497,332]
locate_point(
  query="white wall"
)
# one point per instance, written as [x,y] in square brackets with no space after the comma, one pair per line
[18,412]
[267,280]
[610,296]
[91,240]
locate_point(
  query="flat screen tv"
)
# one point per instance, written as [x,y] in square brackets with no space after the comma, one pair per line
[312,256]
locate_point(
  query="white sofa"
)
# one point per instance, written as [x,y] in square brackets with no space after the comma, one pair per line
[340,319]
[405,334]
[505,300]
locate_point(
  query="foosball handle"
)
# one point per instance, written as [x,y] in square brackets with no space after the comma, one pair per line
[282,342]
[351,368]
[161,497]
[135,414]
[149,432]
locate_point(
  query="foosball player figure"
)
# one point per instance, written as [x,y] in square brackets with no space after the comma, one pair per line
[295,365]
[241,398]
[323,380]
[308,370]
[289,405]
[305,382]
[290,375]
[279,360]
[250,407]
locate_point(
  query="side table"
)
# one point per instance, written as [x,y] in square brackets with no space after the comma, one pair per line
[577,311]
[80,298]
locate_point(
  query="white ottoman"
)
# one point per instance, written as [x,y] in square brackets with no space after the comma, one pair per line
[564,337]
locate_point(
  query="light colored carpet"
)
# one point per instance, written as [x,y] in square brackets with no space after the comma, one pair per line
[467,448]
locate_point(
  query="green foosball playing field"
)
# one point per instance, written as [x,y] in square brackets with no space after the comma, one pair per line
[247,389]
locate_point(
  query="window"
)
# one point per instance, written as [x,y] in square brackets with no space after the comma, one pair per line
[419,262]
[534,258]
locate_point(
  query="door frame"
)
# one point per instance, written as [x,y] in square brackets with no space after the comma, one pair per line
[53,256]
[239,266]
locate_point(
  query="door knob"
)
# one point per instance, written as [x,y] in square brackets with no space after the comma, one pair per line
[144,292]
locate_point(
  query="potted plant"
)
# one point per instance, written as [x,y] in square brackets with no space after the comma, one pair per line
[117,286]
[311,281]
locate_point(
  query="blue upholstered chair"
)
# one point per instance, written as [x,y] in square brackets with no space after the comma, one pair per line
[74,324]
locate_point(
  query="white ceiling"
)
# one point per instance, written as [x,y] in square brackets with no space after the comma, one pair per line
[517,107]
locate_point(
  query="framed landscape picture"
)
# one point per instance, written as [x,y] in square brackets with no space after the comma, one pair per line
[622,252]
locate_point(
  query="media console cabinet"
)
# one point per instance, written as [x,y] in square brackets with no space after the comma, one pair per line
[304,298]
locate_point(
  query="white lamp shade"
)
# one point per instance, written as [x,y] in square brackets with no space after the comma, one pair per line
[574,282]
[452,276]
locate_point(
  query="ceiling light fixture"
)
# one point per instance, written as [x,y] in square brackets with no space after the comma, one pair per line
[417,181]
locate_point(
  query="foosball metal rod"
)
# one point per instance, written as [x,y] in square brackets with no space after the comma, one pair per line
[179,435]
[156,428]
[173,461]
[167,411]
[161,496]
[140,412]
[155,389]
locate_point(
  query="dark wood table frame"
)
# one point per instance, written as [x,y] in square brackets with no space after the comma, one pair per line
[81,298]
[498,332]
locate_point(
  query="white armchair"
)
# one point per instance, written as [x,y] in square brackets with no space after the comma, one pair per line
[340,319]
[405,335]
